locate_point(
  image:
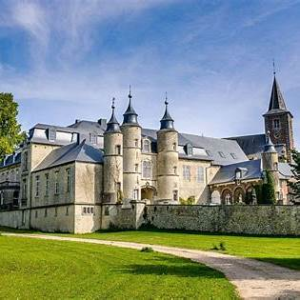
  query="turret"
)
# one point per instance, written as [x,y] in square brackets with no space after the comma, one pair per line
[270,163]
[167,158]
[113,160]
[132,134]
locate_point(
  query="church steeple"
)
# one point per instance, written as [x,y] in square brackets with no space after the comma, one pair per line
[113,124]
[167,121]
[130,116]
[277,102]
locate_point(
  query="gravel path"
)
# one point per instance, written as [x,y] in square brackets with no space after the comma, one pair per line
[253,279]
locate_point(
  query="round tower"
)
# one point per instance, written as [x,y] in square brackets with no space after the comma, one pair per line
[113,160]
[270,163]
[167,159]
[132,135]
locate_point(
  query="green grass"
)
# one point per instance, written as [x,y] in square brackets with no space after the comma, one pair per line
[40,269]
[278,250]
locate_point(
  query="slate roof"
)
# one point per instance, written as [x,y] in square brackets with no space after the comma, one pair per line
[212,145]
[252,170]
[82,152]
[285,171]
[11,159]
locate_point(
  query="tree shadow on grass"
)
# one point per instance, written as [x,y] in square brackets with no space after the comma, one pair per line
[291,263]
[172,267]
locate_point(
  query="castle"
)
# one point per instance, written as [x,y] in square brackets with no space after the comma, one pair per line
[61,176]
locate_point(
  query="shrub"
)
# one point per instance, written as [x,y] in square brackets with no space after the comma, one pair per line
[147,249]
[222,246]
[268,190]
[189,201]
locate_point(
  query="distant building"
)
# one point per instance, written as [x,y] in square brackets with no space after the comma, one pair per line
[61,175]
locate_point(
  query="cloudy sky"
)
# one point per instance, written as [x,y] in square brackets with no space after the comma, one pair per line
[65,60]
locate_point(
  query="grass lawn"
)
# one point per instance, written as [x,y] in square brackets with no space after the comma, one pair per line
[280,250]
[40,269]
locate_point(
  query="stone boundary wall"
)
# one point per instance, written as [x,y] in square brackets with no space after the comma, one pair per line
[255,220]
[18,219]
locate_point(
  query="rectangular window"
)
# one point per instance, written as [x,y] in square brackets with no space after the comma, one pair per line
[51,134]
[136,194]
[147,169]
[47,185]
[136,168]
[24,189]
[136,143]
[146,146]
[93,138]
[100,141]
[68,173]
[175,170]
[37,186]
[118,150]
[200,174]
[46,213]
[25,161]
[175,195]
[187,173]
[36,214]
[67,211]
[55,213]
[56,183]
[276,124]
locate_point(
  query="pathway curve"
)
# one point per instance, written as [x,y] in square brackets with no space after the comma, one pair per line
[253,279]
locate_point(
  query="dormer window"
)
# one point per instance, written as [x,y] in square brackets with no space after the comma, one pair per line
[51,134]
[238,174]
[189,149]
[233,155]
[146,146]
[222,154]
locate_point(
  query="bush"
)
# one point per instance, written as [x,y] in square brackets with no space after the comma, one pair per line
[222,246]
[147,249]
[189,201]
[268,190]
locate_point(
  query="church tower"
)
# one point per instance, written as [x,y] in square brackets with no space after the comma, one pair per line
[167,159]
[113,160]
[279,121]
[132,135]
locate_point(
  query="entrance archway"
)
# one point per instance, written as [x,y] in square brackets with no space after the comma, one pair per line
[148,193]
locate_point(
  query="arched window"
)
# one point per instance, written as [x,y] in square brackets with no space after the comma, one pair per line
[147,169]
[146,146]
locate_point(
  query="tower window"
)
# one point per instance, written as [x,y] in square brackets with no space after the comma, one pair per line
[136,143]
[174,146]
[118,150]
[175,170]
[175,195]
[276,124]
[136,167]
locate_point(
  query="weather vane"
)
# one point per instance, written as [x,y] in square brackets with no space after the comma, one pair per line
[274,67]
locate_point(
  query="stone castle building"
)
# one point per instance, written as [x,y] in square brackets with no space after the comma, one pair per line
[60,177]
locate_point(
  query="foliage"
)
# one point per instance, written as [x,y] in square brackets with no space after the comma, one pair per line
[268,190]
[282,251]
[86,271]
[10,130]
[120,197]
[295,185]
[258,191]
[189,201]
[221,247]
[147,249]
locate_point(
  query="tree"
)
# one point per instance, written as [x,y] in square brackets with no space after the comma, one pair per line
[295,184]
[10,130]
[268,190]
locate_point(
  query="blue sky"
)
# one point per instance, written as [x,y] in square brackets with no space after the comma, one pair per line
[65,60]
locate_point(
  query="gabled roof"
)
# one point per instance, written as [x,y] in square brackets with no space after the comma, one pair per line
[252,169]
[213,146]
[82,152]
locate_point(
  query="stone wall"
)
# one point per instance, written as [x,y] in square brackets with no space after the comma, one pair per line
[15,218]
[257,220]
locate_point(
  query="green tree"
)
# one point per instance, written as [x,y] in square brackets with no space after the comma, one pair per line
[295,184]
[10,130]
[268,190]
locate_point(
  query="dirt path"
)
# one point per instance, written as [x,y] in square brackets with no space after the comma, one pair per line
[253,279]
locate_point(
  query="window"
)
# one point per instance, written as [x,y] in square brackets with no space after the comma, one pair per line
[174,146]
[118,150]
[276,166]
[37,186]
[56,183]
[187,173]
[233,155]
[222,154]
[93,138]
[47,185]
[136,168]
[146,146]
[147,169]
[276,124]
[68,173]
[189,149]
[36,214]
[51,134]
[25,161]
[238,174]
[55,212]
[175,170]
[46,212]
[87,210]
[67,211]
[136,194]
[175,195]
[200,174]
[100,141]
[24,189]
[136,143]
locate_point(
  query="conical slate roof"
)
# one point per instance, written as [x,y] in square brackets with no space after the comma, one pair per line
[167,121]
[269,146]
[276,100]
[130,116]
[113,124]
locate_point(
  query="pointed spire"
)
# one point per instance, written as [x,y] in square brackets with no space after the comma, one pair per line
[269,146]
[167,122]
[113,124]
[276,100]
[130,116]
